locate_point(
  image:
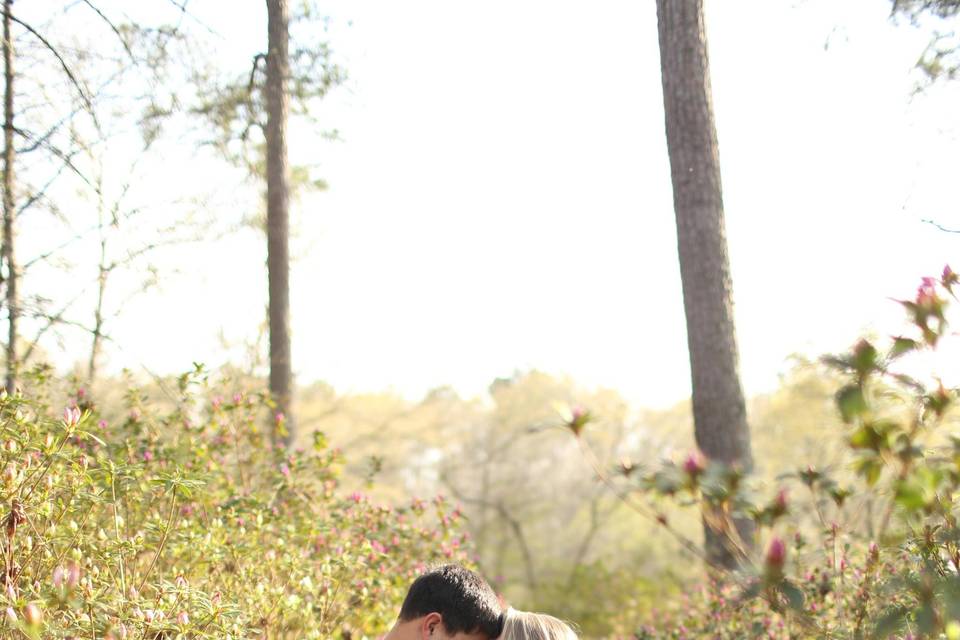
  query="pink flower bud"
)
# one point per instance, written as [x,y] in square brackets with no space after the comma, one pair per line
[57,578]
[32,615]
[183,619]
[71,416]
[73,575]
[776,553]
[10,475]
[781,502]
[927,292]
[11,616]
[694,464]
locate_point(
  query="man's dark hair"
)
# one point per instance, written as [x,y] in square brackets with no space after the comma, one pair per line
[464,600]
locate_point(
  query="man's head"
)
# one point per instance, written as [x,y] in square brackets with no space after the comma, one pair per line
[448,602]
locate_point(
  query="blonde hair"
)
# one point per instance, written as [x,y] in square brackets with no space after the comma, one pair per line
[526,625]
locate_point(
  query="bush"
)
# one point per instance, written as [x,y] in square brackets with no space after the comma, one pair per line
[867,550]
[184,522]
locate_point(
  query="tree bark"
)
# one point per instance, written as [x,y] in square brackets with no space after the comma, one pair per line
[278,205]
[719,411]
[9,209]
[103,270]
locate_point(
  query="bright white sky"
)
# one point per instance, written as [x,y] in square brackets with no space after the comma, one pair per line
[501,199]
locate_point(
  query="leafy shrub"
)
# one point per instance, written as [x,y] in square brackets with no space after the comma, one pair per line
[185,522]
[870,549]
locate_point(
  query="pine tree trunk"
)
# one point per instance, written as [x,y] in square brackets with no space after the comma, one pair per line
[9,211]
[103,270]
[719,411]
[278,205]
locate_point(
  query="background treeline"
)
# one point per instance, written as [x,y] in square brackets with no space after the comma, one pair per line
[543,528]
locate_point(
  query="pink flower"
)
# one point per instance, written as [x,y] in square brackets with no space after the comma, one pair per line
[694,464]
[183,619]
[927,292]
[71,416]
[781,501]
[776,553]
[73,575]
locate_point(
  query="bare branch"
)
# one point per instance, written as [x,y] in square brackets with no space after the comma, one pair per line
[40,193]
[941,227]
[63,63]
[52,319]
[63,156]
[114,28]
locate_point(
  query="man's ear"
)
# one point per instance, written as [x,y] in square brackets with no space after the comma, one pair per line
[431,627]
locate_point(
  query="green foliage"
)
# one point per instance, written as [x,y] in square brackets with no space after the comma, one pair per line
[605,601]
[866,549]
[182,522]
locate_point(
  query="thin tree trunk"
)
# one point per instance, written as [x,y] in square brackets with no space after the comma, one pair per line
[9,209]
[278,203]
[719,410]
[517,529]
[102,272]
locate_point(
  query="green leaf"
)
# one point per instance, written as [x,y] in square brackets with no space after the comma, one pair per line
[911,495]
[865,357]
[901,346]
[668,480]
[866,437]
[890,622]
[851,402]
[870,468]
[794,595]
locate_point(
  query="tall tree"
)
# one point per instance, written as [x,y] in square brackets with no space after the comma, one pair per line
[278,206]
[9,211]
[719,411]
[249,113]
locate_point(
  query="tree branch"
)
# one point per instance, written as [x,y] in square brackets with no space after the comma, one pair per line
[63,63]
[941,227]
[114,28]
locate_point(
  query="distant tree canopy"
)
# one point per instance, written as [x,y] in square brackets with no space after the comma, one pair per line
[940,8]
[941,59]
